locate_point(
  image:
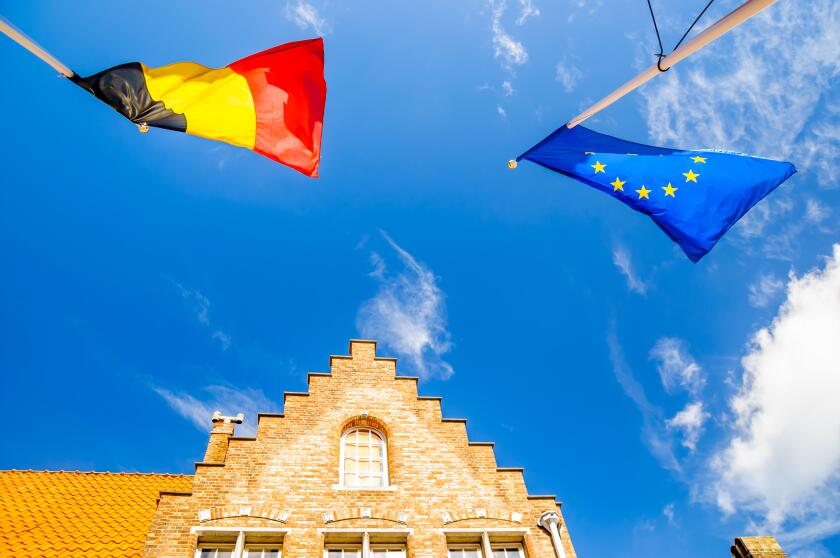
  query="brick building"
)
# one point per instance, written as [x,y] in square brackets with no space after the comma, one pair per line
[359,466]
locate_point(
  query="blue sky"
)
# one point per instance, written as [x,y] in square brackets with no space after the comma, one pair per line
[150,279]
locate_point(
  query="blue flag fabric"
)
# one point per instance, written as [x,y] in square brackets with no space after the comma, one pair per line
[694,196]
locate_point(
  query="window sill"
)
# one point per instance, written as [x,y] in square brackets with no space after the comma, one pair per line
[389,488]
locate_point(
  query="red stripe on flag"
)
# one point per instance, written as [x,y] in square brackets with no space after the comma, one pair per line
[289,91]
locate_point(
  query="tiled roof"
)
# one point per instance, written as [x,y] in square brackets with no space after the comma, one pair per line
[49,514]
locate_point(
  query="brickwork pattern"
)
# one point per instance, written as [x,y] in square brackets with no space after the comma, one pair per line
[757,547]
[437,478]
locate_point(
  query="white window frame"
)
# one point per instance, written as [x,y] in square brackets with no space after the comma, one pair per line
[382,546]
[217,546]
[356,547]
[239,548]
[517,546]
[263,546]
[463,546]
[384,451]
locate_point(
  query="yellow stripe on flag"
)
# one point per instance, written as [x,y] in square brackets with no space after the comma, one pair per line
[217,104]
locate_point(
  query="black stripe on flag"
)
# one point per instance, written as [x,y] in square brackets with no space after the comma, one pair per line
[124,88]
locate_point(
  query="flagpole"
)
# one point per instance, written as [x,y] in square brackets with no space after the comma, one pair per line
[724,25]
[20,38]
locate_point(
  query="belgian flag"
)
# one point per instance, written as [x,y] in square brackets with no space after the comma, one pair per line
[271,102]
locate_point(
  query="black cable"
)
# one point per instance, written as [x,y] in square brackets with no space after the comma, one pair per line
[692,25]
[661,54]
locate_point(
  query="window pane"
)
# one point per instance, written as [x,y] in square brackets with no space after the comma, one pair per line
[350,480]
[364,451]
[350,451]
[499,553]
[376,452]
[472,553]
[224,553]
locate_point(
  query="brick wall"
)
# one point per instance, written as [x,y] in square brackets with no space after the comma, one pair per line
[757,547]
[288,476]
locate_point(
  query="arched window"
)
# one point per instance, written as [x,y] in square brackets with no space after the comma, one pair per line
[364,458]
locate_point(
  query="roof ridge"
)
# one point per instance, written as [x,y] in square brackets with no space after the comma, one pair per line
[114,473]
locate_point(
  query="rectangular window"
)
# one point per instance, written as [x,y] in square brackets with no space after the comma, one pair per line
[390,551]
[215,552]
[342,552]
[508,551]
[262,551]
[465,552]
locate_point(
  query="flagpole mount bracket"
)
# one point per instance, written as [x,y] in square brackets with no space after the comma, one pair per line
[512,164]
[143,128]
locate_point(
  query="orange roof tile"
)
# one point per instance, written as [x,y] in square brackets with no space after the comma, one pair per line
[48,514]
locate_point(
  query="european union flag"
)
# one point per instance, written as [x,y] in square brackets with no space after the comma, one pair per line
[694,196]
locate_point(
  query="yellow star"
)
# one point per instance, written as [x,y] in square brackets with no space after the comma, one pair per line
[589,153]
[690,176]
[599,167]
[669,190]
[643,192]
[699,159]
[618,184]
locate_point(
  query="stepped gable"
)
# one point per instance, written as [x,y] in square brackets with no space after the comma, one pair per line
[438,479]
[52,514]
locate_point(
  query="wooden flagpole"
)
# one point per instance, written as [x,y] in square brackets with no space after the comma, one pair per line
[725,24]
[20,38]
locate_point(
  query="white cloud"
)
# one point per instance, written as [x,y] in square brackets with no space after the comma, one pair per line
[782,458]
[506,49]
[815,211]
[762,89]
[653,434]
[219,398]
[507,88]
[567,74]
[668,512]
[305,16]
[621,259]
[677,368]
[527,10]
[501,111]
[408,314]
[201,309]
[690,422]
[763,291]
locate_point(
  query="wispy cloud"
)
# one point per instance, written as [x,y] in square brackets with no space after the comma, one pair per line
[621,259]
[506,49]
[677,368]
[690,422]
[653,431]
[526,10]
[763,291]
[305,15]
[200,305]
[501,111]
[408,314]
[507,88]
[230,401]
[568,75]
[781,462]
[815,211]
[669,513]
